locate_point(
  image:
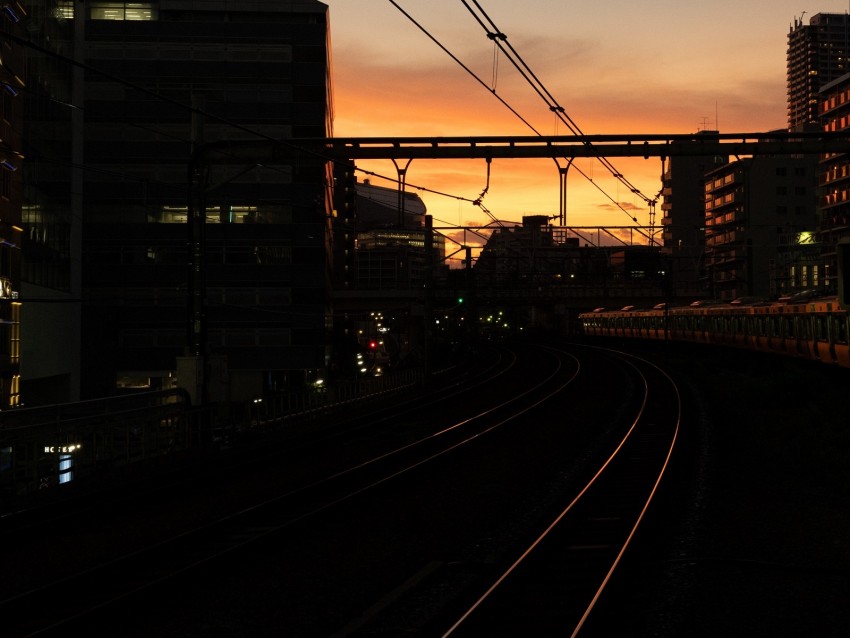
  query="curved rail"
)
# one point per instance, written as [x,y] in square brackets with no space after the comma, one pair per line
[639,460]
[64,601]
[147,434]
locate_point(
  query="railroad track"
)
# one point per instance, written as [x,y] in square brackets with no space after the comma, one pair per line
[361,458]
[260,448]
[556,580]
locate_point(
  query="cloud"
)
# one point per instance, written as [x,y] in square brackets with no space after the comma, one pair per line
[618,206]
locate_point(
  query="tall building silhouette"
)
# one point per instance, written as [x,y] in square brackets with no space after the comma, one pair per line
[12,72]
[145,116]
[683,221]
[834,180]
[817,54]
[756,209]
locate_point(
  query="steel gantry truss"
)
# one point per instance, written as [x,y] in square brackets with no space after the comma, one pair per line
[406,149]
[570,147]
[563,147]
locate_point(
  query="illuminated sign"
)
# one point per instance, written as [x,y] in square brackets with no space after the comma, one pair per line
[62,449]
[806,237]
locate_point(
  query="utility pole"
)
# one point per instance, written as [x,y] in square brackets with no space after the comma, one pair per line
[428,314]
[192,369]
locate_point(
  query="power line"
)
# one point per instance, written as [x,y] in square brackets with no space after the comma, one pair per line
[461,64]
[199,111]
[196,110]
[516,59]
[496,36]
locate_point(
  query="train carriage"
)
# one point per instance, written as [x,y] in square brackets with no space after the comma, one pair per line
[800,326]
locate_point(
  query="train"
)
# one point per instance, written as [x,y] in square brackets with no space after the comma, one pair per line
[805,325]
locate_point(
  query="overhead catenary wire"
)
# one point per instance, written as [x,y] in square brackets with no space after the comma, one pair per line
[200,111]
[462,65]
[544,93]
[213,117]
[36,154]
[560,112]
[526,72]
[491,89]
[496,37]
[291,145]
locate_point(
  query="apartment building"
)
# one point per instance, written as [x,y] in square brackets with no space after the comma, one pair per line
[834,177]
[759,224]
[683,218]
[817,54]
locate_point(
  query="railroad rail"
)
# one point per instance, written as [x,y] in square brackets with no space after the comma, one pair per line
[354,498]
[554,584]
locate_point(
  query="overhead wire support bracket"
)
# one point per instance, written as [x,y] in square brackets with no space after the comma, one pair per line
[478,201]
[402,182]
[562,190]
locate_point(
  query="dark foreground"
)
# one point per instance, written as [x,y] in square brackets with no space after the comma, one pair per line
[749,536]
[758,512]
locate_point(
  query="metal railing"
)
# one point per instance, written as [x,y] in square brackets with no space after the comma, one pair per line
[46,447]
[46,450]
[288,407]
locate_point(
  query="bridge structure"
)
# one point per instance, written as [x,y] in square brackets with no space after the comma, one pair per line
[187,435]
[564,150]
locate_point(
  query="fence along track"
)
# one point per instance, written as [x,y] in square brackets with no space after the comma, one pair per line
[47,450]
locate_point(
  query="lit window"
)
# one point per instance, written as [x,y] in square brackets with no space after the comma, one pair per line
[123,11]
[65,10]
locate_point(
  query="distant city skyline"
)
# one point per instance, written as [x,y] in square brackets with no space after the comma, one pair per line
[614,66]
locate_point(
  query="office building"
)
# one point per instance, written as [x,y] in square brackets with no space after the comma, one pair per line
[391,238]
[192,231]
[12,85]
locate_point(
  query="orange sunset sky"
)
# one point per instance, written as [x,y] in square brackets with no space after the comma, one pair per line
[615,66]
